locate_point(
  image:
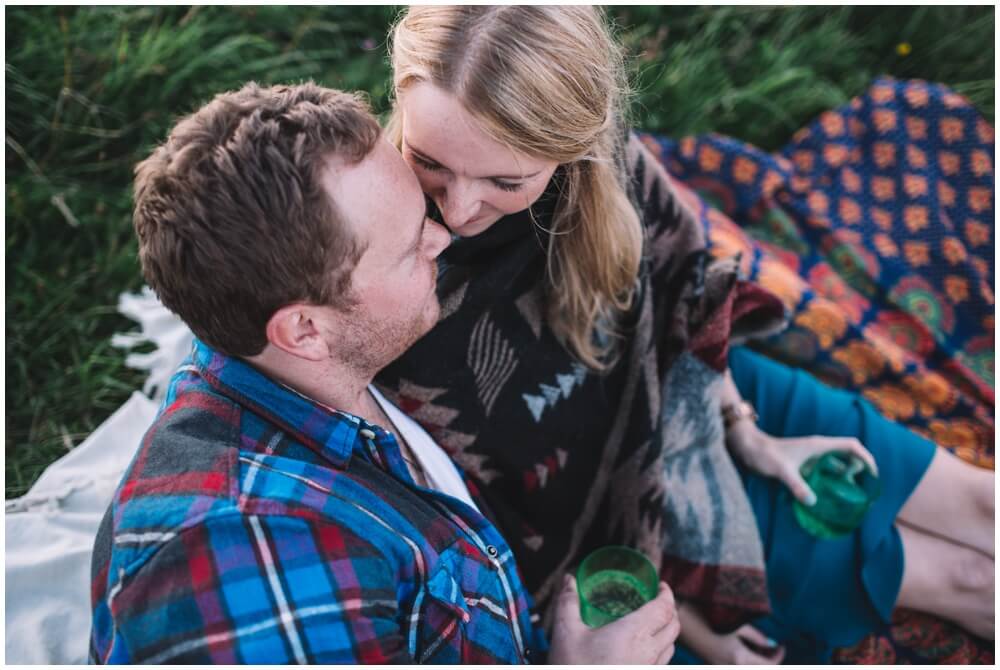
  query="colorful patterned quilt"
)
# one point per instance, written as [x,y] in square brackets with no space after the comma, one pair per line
[875,227]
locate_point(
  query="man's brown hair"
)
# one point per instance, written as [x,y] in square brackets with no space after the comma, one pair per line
[233,222]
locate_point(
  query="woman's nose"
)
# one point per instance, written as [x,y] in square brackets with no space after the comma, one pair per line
[461,205]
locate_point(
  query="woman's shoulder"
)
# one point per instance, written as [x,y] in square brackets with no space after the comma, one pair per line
[655,195]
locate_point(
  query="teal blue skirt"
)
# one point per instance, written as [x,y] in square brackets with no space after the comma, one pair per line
[825,593]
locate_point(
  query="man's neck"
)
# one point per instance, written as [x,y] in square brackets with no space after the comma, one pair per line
[333,386]
[341,389]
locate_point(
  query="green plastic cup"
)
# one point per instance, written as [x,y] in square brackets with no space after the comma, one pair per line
[613,581]
[845,489]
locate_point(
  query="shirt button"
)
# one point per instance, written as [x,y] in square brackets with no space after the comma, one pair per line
[492,551]
[367,434]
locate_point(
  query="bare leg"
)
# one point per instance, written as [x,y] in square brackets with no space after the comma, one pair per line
[954,500]
[949,580]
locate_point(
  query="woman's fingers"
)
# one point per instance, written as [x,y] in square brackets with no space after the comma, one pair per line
[763,649]
[820,444]
[805,448]
[751,634]
[797,485]
[753,658]
[855,447]
[752,652]
[778,657]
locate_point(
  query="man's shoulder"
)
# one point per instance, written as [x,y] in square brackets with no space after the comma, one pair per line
[186,468]
[206,457]
[195,480]
[190,449]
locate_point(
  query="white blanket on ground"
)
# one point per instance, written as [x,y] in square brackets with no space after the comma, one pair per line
[50,530]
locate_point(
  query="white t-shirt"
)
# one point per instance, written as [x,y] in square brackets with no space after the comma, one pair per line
[440,471]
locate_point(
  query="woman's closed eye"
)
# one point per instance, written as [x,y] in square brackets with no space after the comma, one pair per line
[506,185]
[425,164]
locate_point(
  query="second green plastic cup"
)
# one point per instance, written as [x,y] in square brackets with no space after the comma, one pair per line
[845,488]
[613,581]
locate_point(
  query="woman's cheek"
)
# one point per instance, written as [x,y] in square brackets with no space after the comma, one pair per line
[517,201]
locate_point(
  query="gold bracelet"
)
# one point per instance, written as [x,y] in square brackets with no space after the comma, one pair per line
[732,414]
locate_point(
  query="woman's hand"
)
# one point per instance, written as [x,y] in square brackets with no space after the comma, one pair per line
[643,637]
[745,646]
[782,457]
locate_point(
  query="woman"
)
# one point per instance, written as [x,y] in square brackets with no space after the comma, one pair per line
[578,369]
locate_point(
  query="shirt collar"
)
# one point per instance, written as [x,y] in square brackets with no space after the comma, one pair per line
[330,432]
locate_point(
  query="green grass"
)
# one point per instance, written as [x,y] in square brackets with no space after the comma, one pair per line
[91,90]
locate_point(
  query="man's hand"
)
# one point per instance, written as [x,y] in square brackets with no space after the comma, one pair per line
[782,457]
[643,637]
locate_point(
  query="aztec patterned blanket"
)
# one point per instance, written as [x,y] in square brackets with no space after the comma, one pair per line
[875,227]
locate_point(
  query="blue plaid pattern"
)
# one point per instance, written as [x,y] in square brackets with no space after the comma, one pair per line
[257,526]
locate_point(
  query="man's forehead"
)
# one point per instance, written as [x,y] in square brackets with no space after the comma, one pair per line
[378,197]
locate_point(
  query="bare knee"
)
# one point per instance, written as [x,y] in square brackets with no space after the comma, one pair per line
[973,572]
[986,497]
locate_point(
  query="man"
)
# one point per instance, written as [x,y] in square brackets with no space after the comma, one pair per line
[278,510]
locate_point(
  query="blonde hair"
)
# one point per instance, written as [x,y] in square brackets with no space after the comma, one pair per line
[547,82]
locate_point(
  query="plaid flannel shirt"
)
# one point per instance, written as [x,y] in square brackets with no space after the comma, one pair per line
[256,526]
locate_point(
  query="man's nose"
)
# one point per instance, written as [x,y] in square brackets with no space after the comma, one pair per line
[439,236]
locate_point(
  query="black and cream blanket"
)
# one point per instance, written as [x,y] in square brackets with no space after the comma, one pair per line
[569,459]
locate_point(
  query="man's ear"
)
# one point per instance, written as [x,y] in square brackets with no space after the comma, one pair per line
[296,330]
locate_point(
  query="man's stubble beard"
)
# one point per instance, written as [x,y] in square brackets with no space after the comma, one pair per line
[369,345]
[372,344]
